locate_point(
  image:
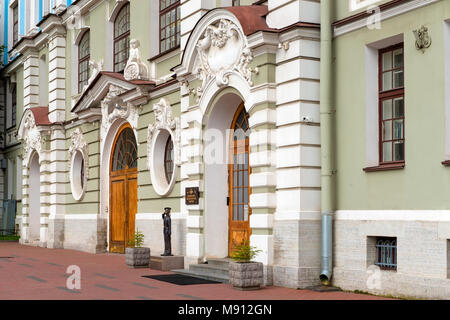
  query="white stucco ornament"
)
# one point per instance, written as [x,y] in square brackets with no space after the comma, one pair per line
[78,161]
[114,108]
[135,69]
[222,50]
[32,136]
[96,68]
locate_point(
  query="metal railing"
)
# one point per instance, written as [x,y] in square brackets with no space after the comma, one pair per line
[386,257]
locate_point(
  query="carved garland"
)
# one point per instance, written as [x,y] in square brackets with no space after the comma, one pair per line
[222,50]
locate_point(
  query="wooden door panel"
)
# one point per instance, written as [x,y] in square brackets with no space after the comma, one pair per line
[132,205]
[117,215]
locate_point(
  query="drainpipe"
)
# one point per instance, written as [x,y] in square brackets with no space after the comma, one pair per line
[326,136]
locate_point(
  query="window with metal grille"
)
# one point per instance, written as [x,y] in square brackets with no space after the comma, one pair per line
[169,25]
[122,38]
[386,253]
[15,24]
[83,61]
[391,104]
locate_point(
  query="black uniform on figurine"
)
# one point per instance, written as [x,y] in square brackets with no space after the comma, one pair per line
[167,232]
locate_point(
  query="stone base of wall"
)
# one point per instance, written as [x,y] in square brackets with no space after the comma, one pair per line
[56,233]
[423,262]
[295,277]
[152,228]
[88,235]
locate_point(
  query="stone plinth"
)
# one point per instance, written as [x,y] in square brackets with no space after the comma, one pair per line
[166,263]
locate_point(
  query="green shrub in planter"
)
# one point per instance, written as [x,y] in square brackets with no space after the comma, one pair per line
[135,255]
[245,274]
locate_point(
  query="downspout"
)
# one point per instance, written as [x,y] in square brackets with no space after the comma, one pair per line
[326,139]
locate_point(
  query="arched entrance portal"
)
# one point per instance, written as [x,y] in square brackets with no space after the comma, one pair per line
[238,183]
[123,189]
[35,198]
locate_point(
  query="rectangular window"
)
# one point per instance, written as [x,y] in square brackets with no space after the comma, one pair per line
[15,24]
[386,253]
[169,25]
[236,3]
[391,105]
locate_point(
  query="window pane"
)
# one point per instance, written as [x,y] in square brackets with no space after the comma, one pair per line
[398,151]
[387,109]
[245,212]
[398,129]
[387,80]
[387,151]
[398,108]
[398,58]
[387,61]
[398,79]
[387,130]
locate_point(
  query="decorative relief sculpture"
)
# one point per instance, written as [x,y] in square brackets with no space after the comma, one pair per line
[423,39]
[135,69]
[32,138]
[222,50]
[77,143]
[96,68]
[164,120]
[114,108]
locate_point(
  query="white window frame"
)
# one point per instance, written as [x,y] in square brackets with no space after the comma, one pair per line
[355,5]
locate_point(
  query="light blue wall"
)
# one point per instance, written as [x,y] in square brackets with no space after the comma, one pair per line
[5,33]
[22,5]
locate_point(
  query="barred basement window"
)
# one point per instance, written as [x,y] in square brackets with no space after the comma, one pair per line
[386,253]
[169,25]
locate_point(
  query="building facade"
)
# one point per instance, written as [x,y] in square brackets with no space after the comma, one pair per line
[126,107]
[392,151]
[301,126]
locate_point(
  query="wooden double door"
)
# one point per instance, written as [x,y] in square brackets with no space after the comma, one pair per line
[123,190]
[238,181]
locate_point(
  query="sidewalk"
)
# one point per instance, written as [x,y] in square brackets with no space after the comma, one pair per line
[40,273]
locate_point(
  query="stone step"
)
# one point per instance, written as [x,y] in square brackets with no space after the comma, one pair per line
[205,276]
[213,270]
[222,262]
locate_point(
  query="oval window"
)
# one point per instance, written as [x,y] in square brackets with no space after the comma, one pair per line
[168,159]
[78,175]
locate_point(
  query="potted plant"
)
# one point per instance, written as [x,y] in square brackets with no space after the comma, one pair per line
[135,255]
[244,273]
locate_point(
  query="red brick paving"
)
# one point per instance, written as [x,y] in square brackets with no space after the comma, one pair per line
[38,273]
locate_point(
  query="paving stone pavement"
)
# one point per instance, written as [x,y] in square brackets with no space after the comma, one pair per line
[34,273]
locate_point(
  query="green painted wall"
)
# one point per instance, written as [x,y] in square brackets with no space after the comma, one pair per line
[424,183]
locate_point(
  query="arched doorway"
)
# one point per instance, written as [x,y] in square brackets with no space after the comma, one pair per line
[238,181]
[123,189]
[34,206]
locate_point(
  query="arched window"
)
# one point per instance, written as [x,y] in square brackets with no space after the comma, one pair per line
[168,159]
[83,61]
[125,151]
[122,38]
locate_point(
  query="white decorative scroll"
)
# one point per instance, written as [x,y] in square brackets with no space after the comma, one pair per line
[222,50]
[113,108]
[164,121]
[135,69]
[77,143]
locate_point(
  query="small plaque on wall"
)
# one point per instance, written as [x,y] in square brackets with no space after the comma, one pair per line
[192,194]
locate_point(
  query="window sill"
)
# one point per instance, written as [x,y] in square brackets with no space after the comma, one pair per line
[446,163]
[162,54]
[386,167]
